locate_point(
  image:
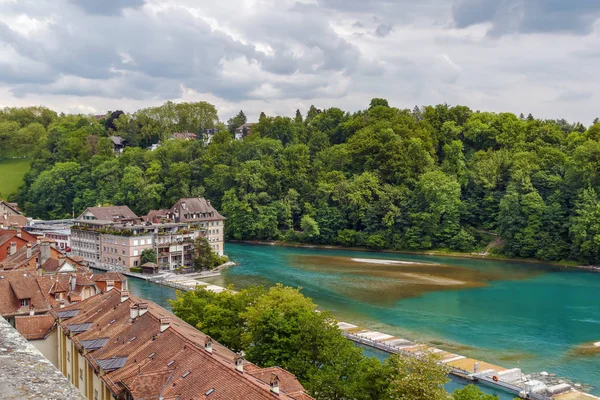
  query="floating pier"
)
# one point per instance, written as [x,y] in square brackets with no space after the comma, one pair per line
[510,380]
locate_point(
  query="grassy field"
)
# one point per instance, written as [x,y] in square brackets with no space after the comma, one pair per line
[12,172]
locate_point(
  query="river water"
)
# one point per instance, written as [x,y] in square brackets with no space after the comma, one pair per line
[532,316]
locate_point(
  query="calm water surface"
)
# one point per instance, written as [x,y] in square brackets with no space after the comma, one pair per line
[535,317]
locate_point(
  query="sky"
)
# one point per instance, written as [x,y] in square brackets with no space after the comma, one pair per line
[93,56]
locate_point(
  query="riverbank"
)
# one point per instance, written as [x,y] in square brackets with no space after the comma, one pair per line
[441,253]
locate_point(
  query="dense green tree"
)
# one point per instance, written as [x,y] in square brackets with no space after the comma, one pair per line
[383,177]
[280,327]
[416,378]
[472,392]
[148,256]
[235,122]
[205,256]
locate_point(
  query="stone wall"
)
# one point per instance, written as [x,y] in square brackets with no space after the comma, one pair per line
[26,374]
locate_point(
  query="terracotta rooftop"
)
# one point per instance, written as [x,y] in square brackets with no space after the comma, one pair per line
[184,135]
[34,327]
[195,209]
[40,290]
[147,361]
[111,213]
[12,221]
[108,276]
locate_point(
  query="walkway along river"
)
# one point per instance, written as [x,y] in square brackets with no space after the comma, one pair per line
[535,317]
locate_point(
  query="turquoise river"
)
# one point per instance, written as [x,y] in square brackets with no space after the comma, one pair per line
[532,316]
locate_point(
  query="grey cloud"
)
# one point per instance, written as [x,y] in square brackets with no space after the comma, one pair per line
[159,52]
[383,30]
[570,95]
[107,7]
[528,16]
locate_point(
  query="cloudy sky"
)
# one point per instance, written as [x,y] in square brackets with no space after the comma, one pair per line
[90,56]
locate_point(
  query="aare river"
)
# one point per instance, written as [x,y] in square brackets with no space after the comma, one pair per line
[533,316]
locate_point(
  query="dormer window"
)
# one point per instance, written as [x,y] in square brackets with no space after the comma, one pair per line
[24,302]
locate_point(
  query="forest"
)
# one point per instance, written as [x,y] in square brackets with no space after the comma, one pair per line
[434,177]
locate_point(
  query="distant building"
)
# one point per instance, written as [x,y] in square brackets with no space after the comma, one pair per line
[209,134]
[24,293]
[244,130]
[184,136]
[10,216]
[113,238]
[41,258]
[118,144]
[11,240]
[117,346]
[58,231]
[197,211]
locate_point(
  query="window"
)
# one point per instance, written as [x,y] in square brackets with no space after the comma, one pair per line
[135,252]
[142,242]
[95,394]
[123,252]
[136,242]
[80,374]
[68,357]
[24,302]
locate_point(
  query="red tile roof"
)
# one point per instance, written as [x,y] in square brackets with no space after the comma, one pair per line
[108,276]
[34,327]
[41,290]
[172,363]
[111,213]
[187,207]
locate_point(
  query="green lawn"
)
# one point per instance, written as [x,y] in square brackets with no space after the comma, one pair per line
[12,172]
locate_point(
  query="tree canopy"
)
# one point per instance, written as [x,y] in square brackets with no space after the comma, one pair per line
[281,327]
[434,177]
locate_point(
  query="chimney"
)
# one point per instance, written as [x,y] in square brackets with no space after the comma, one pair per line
[44,251]
[29,252]
[208,344]
[124,295]
[19,232]
[31,312]
[143,308]
[275,383]
[110,285]
[13,248]
[239,362]
[183,205]
[165,323]
[134,311]
[208,202]
[62,303]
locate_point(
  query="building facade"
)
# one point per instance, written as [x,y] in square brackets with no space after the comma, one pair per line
[113,238]
[59,231]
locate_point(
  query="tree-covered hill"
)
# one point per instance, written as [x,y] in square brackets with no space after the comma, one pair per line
[431,177]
